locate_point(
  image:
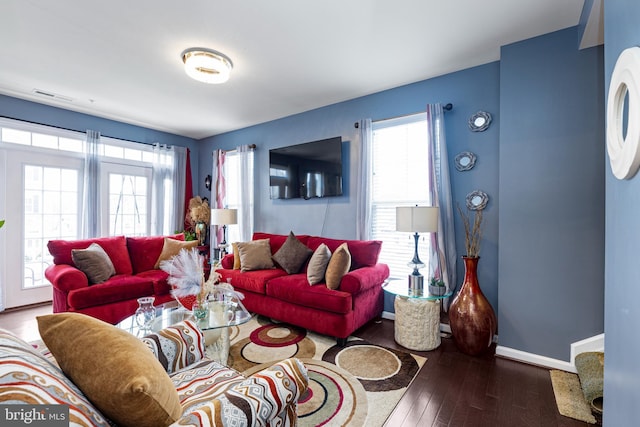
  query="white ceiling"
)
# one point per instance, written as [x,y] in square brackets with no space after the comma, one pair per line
[120,59]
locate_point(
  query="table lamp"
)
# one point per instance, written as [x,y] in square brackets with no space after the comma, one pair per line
[224,217]
[416,219]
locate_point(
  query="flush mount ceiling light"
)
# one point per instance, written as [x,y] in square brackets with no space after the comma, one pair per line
[206,65]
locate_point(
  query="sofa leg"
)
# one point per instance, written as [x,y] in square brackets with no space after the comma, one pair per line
[342,342]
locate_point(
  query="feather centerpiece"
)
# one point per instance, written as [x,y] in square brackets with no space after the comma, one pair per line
[186,273]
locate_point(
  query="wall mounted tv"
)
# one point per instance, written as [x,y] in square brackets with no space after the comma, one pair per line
[312,169]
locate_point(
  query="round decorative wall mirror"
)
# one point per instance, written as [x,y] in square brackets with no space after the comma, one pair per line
[480,121]
[477,200]
[465,161]
[623,102]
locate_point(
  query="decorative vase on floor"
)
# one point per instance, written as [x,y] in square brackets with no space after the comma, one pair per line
[471,317]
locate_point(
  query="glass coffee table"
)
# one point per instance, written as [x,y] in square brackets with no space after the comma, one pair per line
[417,315]
[221,314]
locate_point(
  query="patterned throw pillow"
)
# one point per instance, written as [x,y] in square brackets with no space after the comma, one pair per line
[339,265]
[113,368]
[214,395]
[292,254]
[318,264]
[177,346]
[94,262]
[28,377]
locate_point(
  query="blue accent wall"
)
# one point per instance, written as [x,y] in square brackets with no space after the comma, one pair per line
[20,109]
[551,246]
[622,290]
[469,91]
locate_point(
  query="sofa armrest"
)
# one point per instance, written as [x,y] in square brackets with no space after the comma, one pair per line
[227,262]
[268,397]
[66,278]
[364,278]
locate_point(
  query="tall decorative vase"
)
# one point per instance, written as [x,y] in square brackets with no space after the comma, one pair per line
[471,317]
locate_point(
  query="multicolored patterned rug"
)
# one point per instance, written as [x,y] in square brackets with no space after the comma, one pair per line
[355,385]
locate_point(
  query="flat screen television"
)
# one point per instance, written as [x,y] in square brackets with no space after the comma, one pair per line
[308,170]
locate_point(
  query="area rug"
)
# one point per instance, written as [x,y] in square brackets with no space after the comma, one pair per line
[355,385]
[569,397]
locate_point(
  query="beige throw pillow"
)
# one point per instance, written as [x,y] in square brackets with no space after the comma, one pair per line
[255,255]
[172,247]
[236,257]
[339,265]
[292,254]
[94,262]
[318,264]
[113,368]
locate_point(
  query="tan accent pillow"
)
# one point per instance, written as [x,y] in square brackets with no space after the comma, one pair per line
[318,264]
[255,255]
[292,254]
[171,248]
[94,262]
[236,257]
[339,265]
[114,369]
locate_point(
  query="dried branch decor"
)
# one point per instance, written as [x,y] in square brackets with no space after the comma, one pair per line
[199,211]
[472,232]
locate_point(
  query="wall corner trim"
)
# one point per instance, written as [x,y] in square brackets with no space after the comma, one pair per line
[534,359]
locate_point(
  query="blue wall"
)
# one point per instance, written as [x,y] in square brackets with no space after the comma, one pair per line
[469,91]
[622,293]
[19,109]
[551,194]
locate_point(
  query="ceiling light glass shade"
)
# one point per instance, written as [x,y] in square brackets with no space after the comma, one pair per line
[206,65]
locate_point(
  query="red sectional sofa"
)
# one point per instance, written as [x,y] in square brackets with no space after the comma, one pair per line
[289,297]
[115,299]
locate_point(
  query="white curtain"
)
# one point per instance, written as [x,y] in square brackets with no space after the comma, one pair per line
[91,188]
[179,187]
[218,192]
[246,191]
[444,242]
[363,200]
[161,197]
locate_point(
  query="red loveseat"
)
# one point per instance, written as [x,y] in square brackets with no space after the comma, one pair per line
[133,259]
[291,299]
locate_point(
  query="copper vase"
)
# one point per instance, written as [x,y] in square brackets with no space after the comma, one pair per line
[471,317]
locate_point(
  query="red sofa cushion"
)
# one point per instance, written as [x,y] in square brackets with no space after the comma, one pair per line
[295,289]
[115,247]
[117,288]
[159,280]
[277,240]
[144,251]
[364,253]
[254,281]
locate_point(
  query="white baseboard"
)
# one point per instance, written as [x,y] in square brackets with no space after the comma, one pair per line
[595,343]
[534,359]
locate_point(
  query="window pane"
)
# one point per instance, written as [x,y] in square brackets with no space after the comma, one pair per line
[127,208]
[43,202]
[69,144]
[46,141]
[400,175]
[16,136]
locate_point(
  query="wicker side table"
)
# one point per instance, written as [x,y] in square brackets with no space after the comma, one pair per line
[417,323]
[417,316]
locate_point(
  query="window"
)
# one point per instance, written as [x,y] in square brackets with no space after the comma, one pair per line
[400,173]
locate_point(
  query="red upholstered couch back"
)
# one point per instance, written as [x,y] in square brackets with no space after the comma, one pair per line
[129,255]
[364,253]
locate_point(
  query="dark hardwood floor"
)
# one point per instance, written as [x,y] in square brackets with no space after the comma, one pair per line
[452,389]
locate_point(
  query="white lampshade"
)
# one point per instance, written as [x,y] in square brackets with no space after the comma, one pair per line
[224,216]
[417,219]
[206,65]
